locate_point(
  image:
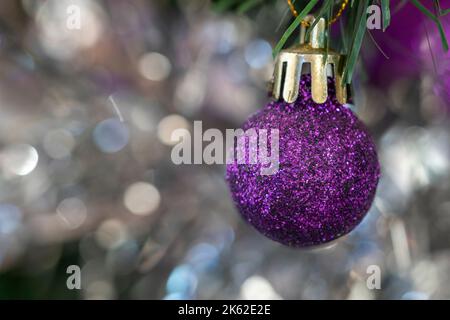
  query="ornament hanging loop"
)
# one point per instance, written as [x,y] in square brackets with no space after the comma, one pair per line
[290,62]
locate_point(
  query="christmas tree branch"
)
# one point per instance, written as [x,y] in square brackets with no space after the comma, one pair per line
[324,10]
[441,12]
[358,36]
[353,25]
[436,20]
[293,26]
[386,13]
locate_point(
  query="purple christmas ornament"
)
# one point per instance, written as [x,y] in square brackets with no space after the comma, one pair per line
[327,177]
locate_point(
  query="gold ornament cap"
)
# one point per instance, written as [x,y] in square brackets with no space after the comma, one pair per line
[289,64]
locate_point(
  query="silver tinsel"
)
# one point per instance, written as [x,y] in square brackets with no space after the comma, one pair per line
[86,176]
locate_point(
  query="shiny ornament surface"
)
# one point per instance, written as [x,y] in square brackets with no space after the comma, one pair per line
[327,176]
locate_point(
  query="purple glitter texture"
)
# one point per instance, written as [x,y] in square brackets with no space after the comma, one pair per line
[327,177]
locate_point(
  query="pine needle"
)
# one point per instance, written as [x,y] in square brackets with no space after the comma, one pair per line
[353,26]
[436,20]
[294,25]
[322,12]
[358,36]
[386,13]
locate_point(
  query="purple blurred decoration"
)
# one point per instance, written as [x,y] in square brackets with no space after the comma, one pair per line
[327,177]
[442,84]
[435,60]
[408,45]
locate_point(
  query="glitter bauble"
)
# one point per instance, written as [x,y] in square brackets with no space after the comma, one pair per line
[327,176]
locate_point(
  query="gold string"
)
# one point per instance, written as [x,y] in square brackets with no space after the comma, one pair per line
[333,20]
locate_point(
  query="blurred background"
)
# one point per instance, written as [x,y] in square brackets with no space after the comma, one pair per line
[86,114]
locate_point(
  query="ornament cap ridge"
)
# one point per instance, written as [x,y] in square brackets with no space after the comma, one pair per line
[290,62]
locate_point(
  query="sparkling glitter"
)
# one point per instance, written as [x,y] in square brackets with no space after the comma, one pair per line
[327,176]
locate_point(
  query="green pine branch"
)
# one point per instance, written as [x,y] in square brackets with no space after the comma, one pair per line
[386,13]
[435,19]
[353,24]
[293,26]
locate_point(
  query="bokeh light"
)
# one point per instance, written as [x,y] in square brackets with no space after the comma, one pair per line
[154,66]
[111,135]
[168,125]
[141,198]
[72,211]
[19,159]
[65,27]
